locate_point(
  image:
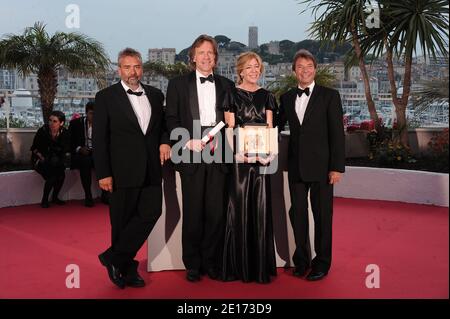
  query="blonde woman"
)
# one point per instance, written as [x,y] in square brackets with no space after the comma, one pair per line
[249,253]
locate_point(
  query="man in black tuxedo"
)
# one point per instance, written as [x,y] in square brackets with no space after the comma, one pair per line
[316,160]
[81,152]
[130,146]
[194,103]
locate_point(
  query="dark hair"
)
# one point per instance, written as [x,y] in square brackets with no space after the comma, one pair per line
[129,52]
[60,115]
[89,107]
[305,54]
[198,42]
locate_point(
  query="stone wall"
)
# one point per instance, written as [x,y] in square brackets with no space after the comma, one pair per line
[15,147]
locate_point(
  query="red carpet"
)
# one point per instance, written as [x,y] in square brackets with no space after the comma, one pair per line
[409,243]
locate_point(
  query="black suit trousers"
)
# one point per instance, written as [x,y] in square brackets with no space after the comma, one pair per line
[133,213]
[85,164]
[321,197]
[203,216]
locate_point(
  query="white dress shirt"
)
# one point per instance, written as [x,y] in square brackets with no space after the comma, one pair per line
[302,102]
[206,93]
[141,106]
[87,135]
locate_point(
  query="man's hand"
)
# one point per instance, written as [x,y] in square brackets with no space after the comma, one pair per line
[164,153]
[106,184]
[195,145]
[266,160]
[84,150]
[41,157]
[241,158]
[334,177]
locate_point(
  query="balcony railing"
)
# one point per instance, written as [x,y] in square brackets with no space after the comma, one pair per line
[23,110]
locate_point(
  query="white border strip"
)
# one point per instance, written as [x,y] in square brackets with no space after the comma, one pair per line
[394,185]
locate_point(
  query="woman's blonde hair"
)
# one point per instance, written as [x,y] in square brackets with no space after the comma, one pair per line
[244,58]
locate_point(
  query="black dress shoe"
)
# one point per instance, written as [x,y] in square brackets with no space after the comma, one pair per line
[89,202]
[134,280]
[316,275]
[212,273]
[57,201]
[229,278]
[299,271]
[105,198]
[45,204]
[113,273]
[193,275]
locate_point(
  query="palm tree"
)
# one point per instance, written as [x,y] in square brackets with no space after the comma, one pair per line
[35,51]
[343,21]
[405,26]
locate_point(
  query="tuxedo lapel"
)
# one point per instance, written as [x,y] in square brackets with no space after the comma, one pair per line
[312,102]
[153,109]
[193,104]
[84,131]
[124,104]
[193,96]
[290,109]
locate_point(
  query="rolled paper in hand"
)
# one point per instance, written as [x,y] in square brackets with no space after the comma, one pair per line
[213,132]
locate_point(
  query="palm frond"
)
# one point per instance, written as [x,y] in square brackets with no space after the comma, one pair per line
[432,92]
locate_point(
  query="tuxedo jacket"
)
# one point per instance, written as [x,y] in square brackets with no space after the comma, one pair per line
[182,108]
[120,148]
[317,146]
[77,132]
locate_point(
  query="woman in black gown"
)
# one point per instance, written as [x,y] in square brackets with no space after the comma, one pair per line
[249,253]
[50,146]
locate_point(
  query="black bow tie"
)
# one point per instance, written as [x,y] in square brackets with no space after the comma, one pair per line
[134,93]
[300,92]
[209,78]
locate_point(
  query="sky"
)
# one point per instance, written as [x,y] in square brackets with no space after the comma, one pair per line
[144,24]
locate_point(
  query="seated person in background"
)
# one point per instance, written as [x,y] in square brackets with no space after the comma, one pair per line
[81,149]
[49,149]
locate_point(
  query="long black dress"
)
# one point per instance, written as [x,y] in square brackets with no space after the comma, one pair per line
[249,253]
